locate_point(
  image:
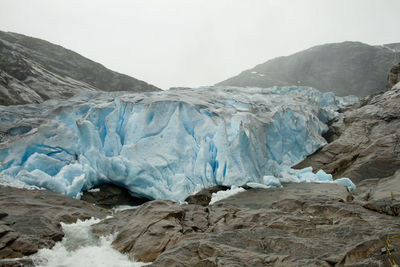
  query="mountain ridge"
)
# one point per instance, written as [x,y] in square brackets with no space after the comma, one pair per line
[44,71]
[343,68]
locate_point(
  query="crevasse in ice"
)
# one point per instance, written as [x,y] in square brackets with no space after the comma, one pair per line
[166,145]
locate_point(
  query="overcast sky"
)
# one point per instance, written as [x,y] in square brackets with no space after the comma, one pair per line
[198,42]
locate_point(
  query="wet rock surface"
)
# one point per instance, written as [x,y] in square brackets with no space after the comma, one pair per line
[365,140]
[30,220]
[297,225]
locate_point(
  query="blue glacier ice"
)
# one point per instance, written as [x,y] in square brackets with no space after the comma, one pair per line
[166,145]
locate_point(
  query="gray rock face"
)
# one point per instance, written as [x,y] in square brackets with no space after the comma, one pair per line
[298,225]
[348,68]
[30,220]
[365,140]
[33,70]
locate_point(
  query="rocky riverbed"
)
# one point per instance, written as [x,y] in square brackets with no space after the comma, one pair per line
[297,225]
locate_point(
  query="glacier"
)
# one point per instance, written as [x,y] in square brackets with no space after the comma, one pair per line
[168,144]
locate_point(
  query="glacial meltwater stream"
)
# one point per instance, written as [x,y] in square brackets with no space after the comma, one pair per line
[80,247]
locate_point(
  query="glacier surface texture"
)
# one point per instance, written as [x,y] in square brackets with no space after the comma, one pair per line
[166,145]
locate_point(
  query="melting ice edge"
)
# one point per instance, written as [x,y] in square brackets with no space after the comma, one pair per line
[167,145]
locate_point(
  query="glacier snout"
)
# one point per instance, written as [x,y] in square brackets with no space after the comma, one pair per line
[166,145]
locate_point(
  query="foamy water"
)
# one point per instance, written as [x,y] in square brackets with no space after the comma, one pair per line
[80,247]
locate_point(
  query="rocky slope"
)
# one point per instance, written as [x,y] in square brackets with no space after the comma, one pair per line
[34,70]
[364,140]
[296,225]
[348,68]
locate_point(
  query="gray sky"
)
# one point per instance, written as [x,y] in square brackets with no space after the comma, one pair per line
[198,42]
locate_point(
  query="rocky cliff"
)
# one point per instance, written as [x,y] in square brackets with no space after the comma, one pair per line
[364,140]
[34,70]
[348,68]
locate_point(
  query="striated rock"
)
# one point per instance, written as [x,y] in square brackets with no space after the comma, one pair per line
[297,225]
[30,220]
[367,142]
[110,195]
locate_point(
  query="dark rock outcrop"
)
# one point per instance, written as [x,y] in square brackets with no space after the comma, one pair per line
[387,206]
[394,76]
[110,195]
[33,70]
[204,196]
[367,143]
[26,262]
[297,225]
[30,220]
[348,68]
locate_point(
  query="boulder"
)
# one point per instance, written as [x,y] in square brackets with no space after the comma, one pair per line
[203,197]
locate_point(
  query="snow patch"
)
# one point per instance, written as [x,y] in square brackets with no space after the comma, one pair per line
[124,207]
[258,186]
[225,194]
[94,190]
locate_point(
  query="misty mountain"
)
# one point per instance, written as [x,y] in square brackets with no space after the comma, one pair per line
[344,68]
[33,70]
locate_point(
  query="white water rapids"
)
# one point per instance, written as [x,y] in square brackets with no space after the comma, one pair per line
[81,248]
